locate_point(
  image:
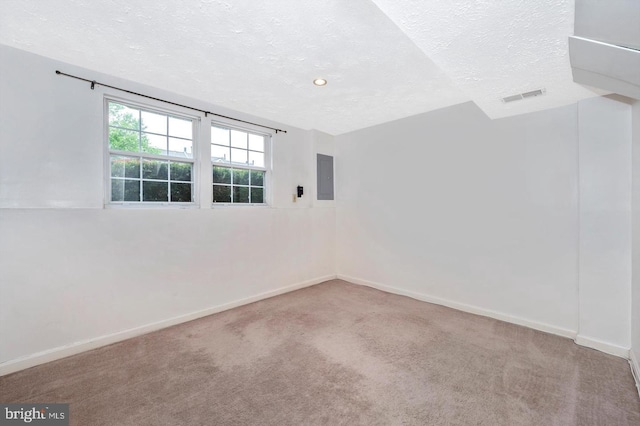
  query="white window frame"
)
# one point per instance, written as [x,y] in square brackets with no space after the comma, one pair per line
[195,160]
[268,140]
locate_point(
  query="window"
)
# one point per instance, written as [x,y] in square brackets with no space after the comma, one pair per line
[239,159]
[150,155]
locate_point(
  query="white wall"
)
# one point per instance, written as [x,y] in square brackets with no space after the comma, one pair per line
[635,296]
[526,218]
[478,214]
[604,126]
[72,271]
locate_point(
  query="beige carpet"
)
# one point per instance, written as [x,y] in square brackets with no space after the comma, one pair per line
[338,353]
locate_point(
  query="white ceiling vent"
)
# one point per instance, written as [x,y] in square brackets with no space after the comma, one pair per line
[519,96]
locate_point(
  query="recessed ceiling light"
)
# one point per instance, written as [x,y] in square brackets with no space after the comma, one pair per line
[320,82]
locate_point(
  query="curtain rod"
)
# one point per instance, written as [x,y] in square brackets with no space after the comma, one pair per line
[93,85]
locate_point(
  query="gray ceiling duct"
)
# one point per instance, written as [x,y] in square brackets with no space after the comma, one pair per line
[605,50]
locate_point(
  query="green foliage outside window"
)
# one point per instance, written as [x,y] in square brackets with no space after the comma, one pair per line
[140,179]
[237,185]
[120,139]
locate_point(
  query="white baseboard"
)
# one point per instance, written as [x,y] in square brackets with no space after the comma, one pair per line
[605,347]
[580,340]
[635,369]
[464,307]
[86,345]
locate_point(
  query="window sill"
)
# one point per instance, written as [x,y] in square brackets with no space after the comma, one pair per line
[146,206]
[238,205]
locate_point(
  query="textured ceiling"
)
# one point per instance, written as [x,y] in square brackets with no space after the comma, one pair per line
[493,49]
[384,59]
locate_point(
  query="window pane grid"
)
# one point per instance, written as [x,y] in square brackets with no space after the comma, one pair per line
[160,180]
[224,146]
[237,185]
[159,134]
[237,148]
[146,132]
[125,128]
[225,162]
[228,184]
[239,167]
[151,155]
[169,190]
[137,130]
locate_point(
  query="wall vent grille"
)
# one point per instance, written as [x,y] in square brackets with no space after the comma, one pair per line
[525,95]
